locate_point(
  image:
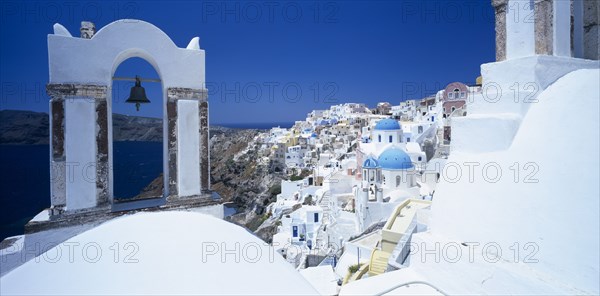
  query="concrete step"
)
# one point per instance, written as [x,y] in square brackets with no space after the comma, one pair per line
[379,262]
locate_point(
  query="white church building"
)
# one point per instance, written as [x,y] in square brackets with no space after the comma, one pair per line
[387,172]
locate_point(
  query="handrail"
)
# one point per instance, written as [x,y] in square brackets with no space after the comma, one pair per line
[359,273]
[411,283]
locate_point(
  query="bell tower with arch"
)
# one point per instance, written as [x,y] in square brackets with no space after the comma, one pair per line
[81,71]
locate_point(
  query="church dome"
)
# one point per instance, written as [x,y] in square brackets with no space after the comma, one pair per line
[370,163]
[387,124]
[394,158]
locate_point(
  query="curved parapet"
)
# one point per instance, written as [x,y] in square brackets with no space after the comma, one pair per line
[61,30]
[70,57]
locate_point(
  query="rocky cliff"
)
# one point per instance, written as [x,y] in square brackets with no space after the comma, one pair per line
[23,127]
[31,128]
[241,176]
[19,127]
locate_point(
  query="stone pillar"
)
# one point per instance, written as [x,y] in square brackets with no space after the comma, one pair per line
[555,27]
[172,144]
[544,27]
[102,165]
[187,112]
[61,178]
[591,16]
[204,147]
[577,28]
[561,33]
[500,13]
[58,195]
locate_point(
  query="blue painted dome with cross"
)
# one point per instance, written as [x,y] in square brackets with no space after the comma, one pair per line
[370,163]
[394,158]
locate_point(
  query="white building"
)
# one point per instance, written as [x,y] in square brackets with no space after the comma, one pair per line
[294,157]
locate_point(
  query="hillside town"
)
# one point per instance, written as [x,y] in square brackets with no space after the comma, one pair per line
[352,171]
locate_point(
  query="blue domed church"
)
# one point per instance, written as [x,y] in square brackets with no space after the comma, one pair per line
[392,169]
[387,171]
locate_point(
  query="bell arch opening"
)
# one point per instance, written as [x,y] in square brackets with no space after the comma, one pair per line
[137,146]
[84,98]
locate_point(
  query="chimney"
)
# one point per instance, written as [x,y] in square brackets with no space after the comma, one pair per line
[88,29]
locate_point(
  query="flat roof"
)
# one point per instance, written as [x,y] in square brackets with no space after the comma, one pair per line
[405,216]
[368,241]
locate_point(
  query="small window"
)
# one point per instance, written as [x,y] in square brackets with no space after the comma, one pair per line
[456,91]
[398,181]
[316,216]
[453,108]
[419,158]
[407,140]
[379,138]
[390,139]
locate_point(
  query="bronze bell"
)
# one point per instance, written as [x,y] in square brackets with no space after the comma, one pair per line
[138,94]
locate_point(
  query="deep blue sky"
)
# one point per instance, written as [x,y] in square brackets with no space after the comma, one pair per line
[355,51]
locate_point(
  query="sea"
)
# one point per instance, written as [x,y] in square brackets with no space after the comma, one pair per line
[25,175]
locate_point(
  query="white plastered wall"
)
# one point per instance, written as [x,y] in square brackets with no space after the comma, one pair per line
[80,145]
[520,21]
[188,154]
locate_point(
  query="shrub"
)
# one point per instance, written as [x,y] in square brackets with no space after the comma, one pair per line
[354,268]
[296,178]
[308,200]
[275,189]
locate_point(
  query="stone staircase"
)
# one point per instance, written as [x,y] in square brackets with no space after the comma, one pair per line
[325,204]
[379,262]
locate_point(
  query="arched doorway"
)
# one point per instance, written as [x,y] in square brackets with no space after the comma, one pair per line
[136,146]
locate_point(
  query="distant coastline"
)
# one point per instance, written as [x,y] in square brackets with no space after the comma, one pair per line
[21,127]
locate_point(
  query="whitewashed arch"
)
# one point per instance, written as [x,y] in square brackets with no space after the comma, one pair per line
[93,61]
[82,70]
